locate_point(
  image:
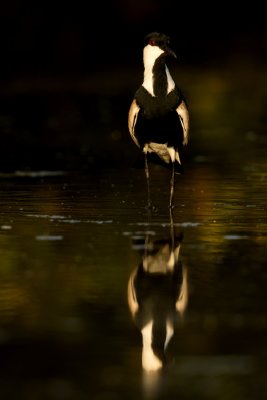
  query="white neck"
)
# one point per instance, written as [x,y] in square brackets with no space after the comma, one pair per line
[150,55]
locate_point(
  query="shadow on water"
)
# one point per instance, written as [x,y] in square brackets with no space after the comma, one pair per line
[157,299]
[157,294]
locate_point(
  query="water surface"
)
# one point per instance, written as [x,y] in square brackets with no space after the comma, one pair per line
[71,238]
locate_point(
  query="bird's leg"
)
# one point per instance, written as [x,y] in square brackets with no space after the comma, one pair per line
[172,154]
[147,240]
[172,259]
[172,186]
[149,204]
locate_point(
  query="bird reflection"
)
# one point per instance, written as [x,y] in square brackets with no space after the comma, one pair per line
[157,296]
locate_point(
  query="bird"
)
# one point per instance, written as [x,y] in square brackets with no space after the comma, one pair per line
[158,117]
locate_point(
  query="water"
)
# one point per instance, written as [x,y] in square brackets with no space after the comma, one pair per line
[72,239]
[68,248]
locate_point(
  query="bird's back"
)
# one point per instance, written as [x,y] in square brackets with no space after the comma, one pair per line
[158,121]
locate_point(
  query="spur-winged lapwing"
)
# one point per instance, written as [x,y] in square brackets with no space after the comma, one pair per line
[158,118]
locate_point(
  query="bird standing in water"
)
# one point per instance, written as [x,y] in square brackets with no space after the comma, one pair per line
[158,118]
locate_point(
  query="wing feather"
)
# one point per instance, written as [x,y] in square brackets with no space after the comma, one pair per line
[183,113]
[132,118]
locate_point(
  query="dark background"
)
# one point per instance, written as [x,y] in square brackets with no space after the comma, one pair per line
[78,37]
[69,69]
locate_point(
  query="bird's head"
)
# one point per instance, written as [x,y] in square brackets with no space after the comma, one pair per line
[156,45]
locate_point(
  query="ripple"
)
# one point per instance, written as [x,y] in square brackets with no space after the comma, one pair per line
[69,220]
[235,237]
[49,237]
[32,174]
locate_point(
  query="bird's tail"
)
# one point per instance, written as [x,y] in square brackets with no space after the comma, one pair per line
[155,159]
